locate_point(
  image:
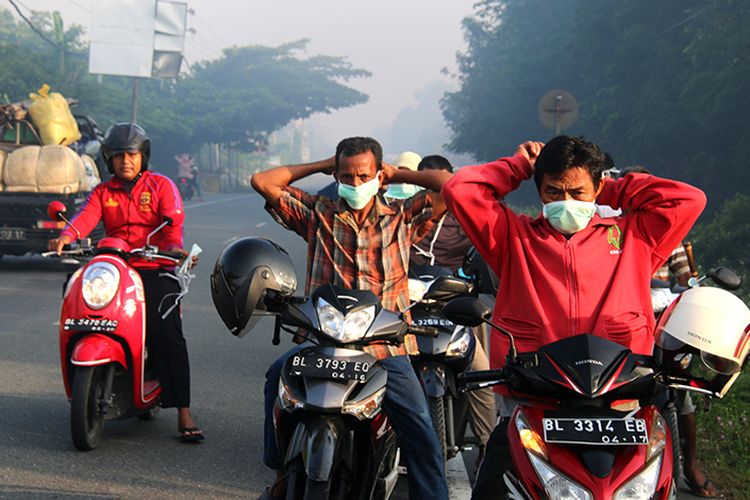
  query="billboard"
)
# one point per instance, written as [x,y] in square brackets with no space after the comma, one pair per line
[139,38]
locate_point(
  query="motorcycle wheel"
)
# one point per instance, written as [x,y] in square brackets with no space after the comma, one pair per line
[437,413]
[86,406]
[672,418]
[317,490]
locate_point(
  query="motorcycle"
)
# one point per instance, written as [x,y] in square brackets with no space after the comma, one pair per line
[334,439]
[186,188]
[442,358]
[103,331]
[589,426]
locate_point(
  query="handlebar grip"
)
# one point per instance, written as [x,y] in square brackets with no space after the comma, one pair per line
[483,375]
[426,331]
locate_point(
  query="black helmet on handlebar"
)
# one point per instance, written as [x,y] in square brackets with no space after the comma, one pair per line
[245,272]
[125,138]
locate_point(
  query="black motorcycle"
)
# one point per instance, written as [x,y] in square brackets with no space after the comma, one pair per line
[443,357]
[186,188]
[336,441]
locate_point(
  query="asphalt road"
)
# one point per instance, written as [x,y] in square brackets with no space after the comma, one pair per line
[144,459]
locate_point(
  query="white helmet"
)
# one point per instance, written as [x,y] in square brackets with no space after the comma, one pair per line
[714,322]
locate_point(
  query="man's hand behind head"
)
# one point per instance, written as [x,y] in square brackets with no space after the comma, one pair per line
[530,150]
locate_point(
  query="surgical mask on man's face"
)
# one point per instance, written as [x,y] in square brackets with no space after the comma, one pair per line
[357,197]
[402,191]
[569,216]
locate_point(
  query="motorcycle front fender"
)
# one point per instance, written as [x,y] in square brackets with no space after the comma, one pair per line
[432,379]
[98,349]
[318,440]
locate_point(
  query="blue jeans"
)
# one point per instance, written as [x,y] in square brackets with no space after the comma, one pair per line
[406,407]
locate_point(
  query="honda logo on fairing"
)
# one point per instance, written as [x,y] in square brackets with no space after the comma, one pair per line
[589,362]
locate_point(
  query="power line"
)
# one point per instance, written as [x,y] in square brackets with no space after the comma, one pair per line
[80,6]
[34,28]
[211,31]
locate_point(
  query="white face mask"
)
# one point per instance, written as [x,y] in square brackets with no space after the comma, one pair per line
[569,216]
[357,197]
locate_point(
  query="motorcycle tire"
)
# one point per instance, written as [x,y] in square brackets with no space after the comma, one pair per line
[672,418]
[437,413]
[86,406]
[295,480]
[317,490]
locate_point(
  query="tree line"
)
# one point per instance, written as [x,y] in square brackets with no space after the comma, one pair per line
[661,84]
[237,99]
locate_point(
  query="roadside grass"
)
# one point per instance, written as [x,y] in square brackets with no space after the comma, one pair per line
[724,440]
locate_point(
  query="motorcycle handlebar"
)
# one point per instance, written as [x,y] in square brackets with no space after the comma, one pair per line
[426,331]
[484,375]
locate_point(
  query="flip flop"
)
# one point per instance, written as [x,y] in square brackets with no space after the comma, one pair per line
[191,434]
[704,490]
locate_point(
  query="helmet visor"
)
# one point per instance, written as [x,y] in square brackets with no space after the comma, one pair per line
[719,365]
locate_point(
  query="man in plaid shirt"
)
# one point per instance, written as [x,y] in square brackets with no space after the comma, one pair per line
[360,242]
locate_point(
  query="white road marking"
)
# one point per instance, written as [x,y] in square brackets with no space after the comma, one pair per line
[214,202]
[459,486]
[260,224]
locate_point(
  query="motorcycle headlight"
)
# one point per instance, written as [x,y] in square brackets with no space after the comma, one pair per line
[100,283]
[458,347]
[643,485]
[366,408]
[556,484]
[344,328]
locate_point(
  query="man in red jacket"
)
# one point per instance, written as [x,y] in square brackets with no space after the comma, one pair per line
[568,271]
[131,205]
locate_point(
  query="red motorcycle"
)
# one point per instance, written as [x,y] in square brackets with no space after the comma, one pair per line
[103,353]
[590,425]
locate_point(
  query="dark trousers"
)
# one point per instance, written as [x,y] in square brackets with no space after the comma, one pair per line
[489,483]
[167,349]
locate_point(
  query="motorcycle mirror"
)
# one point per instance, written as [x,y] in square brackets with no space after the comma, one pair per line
[56,210]
[467,311]
[446,287]
[725,278]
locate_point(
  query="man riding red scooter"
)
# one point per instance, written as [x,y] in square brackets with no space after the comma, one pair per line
[133,205]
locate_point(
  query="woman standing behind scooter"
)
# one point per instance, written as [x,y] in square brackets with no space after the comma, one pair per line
[131,205]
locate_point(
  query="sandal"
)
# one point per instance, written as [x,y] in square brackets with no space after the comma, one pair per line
[707,490]
[191,435]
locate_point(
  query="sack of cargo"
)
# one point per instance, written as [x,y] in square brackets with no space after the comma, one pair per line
[51,115]
[90,174]
[43,169]
[3,156]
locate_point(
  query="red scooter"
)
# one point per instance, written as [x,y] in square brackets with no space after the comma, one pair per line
[590,425]
[103,332]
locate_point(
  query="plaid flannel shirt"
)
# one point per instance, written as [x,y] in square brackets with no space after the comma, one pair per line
[676,265]
[373,257]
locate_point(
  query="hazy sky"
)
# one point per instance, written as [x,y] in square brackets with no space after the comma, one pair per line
[403,43]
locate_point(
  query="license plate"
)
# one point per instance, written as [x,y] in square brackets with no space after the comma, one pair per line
[596,431]
[317,365]
[90,325]
[12,234]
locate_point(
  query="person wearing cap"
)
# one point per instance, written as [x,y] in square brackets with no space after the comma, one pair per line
[410,161]
[131,205]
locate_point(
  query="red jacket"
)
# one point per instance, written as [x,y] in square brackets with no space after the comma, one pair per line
[132,217]
[598,281]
